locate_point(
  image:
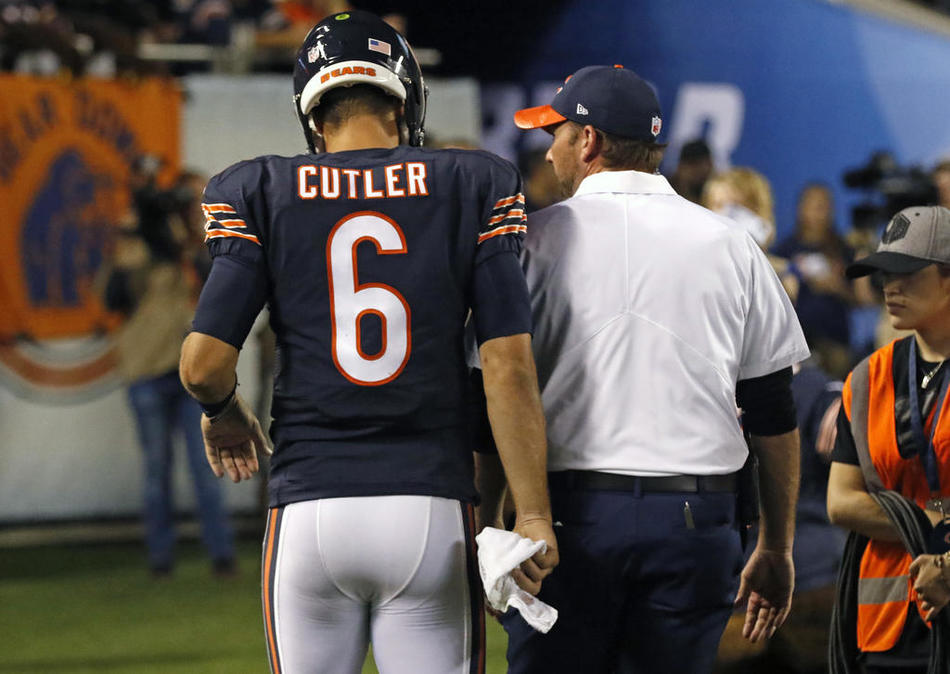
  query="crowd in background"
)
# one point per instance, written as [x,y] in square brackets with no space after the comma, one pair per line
[105,38]
[108,38]
[843,320]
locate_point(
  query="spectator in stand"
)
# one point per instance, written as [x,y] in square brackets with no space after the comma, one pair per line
[693,170]
[744,195]
[825,297]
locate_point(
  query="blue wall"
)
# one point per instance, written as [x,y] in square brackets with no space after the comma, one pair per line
[808,88]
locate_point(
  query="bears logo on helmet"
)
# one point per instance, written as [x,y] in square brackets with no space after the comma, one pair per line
[357,47]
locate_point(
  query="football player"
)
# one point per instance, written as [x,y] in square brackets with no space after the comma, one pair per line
[370,252]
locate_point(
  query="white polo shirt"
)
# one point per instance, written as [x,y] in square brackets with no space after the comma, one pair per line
[647,310]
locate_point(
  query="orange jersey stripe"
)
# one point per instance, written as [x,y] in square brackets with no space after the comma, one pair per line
[218,208]
[210,218]
[513,213]
[479,627]
[215,233]
[509,200]
[507,229]
[268,563]
[240,224]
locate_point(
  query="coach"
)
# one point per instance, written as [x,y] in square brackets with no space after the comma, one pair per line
[653,318]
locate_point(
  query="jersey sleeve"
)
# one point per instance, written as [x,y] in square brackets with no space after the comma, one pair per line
[501,305]
[237,287]
[230,227]
[504,222]
[773,337]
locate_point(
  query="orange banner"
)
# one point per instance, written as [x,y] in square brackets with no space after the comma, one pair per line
[66,151]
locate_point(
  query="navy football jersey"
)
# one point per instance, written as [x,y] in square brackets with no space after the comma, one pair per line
[370,262]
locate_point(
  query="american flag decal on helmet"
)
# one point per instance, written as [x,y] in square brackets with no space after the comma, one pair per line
[380,46]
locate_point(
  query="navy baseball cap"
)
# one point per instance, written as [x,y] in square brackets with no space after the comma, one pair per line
[609,98]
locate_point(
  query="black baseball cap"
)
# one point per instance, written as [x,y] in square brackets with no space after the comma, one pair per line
[915,238]
[609,98]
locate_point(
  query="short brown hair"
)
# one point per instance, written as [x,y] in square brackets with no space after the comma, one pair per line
[621,153]
[342,102]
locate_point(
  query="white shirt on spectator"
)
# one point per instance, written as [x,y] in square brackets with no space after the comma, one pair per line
[647,310]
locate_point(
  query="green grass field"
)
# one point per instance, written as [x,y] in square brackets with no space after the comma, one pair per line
[95,609]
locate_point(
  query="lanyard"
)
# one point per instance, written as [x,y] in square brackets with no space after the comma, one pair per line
[924,442]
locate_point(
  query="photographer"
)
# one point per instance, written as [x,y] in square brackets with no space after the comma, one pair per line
[149,284]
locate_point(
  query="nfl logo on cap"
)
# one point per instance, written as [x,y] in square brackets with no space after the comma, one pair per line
[655,128]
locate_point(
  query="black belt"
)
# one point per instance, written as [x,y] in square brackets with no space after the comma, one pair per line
[689,484]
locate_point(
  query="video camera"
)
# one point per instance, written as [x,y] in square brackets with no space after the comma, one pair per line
[154,206]
[890,188]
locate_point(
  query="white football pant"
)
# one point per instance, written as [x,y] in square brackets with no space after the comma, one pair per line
[397,571]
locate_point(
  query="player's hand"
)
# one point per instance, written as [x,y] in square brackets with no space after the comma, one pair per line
[930,584]
[233,440]
[765,587]
[538,567]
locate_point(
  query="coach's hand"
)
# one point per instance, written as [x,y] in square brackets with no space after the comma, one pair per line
[535,569]
[766,588]
[232,441]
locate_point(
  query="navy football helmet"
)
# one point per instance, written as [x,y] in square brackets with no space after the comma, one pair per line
[357,47]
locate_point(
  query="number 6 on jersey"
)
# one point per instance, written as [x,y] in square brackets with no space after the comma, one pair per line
[350,301]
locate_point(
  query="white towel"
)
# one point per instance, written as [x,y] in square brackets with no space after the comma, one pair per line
[499,553]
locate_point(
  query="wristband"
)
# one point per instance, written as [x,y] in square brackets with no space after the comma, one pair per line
[212,410]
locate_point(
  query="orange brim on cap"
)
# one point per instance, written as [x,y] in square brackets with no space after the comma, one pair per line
[538,117]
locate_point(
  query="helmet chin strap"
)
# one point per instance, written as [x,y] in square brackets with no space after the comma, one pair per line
[402,126]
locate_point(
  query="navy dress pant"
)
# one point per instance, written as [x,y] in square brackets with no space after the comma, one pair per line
[640,589]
